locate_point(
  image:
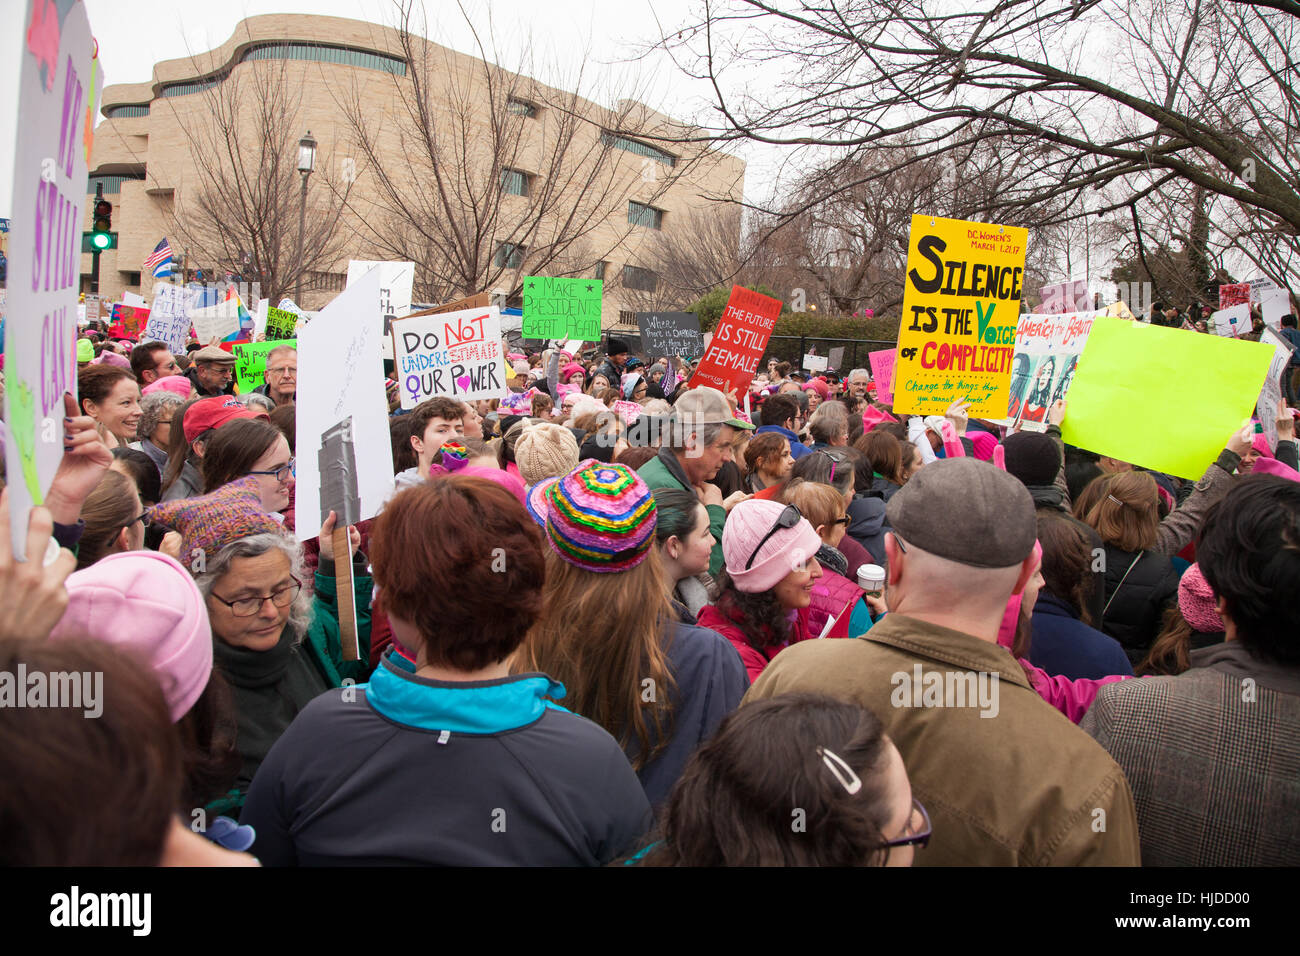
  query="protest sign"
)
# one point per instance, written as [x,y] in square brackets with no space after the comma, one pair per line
[131,298]
[882,372]
[519,403]
[815,363]
[1233,321]
[127,321]
[628,411]
[93,311]
[457,354]
[1161,398]
[283,324]
[1274,303]
[961,302]
[1060,297]
[1234,294]
[345,460]
[837,358]
[731,355]
[1047,353]
[556,308]
[55,95]
[1270,396]
[665,334]
[169,319]
[395,282]
[250,362]
[259,317]
[216,321]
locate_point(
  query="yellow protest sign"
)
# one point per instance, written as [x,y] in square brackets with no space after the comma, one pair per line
[961,303]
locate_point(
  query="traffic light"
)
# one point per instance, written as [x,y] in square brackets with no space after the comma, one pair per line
[101,236]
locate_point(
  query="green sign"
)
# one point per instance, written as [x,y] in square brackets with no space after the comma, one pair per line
[562,308]
[281,324]
[250,361]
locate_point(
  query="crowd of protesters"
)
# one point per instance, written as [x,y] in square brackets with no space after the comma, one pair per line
[617,619]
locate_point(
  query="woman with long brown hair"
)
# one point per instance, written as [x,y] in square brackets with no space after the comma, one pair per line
[1140,581]
[608,631]
[768,461]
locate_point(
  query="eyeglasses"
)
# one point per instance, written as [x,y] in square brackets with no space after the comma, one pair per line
[144,519]
[281,473]
[170,366]
[843,520]
[787,519]
[280,372]
[919,838]
[247,607]
[899,541]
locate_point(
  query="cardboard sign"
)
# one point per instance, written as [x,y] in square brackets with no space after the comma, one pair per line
[216,321]
[127,321]
[282,324]
[1234,294]
[1135,379]
[731,356]
[480,301]
[1270,396]
[1233,321]
[169,319]
[1047,354]
[250,362]
[396,280]
[55,96]
[343,449]
[559,308]
[882,372]
[815,363]
[837,358]
[961,303]
[1274,303]
[457,354]
[665,334]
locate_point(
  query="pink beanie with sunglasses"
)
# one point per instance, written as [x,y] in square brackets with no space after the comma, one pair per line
[146,603]
[749,523]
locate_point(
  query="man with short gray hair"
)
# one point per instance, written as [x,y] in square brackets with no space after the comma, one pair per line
[281,375]
[701,434]
[858,381]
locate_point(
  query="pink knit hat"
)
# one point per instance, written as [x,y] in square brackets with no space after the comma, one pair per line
[1271,466]
[1197,602]
[872,416]
[984,443]
[570,370]
[818,386]
[172,383]
[511,483]
[109,357]
[747,525]
[145,602]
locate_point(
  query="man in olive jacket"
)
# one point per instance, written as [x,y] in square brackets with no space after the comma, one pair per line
[1006,779]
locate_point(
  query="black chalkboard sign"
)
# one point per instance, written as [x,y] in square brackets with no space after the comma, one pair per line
[670,333]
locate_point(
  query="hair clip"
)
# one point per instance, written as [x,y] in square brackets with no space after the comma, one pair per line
[843,772]
[1114,499]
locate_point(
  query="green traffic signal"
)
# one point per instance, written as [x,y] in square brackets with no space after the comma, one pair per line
[101,240]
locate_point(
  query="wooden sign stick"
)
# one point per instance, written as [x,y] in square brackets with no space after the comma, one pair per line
[346,591]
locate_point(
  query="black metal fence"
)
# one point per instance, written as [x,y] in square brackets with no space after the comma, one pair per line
[792,349]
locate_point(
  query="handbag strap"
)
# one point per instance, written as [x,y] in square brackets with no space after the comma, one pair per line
[1121,584]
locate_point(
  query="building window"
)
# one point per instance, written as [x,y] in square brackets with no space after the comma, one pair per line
[327,281]
[521,108]
[643,280]
[192,86]
[600,269]
[133,278]
[127,111]
[641,215]
[325,53]
[514,182]
[112,184]
[635,146]
[509,256]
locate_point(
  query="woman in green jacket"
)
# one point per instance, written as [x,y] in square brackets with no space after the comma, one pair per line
[276,643]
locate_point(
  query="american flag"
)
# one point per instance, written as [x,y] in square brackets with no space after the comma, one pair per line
[160,260]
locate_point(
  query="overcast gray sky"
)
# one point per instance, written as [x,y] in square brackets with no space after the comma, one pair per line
[601,38]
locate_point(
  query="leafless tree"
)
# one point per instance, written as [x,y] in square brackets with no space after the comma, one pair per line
[1098,95]
[483,175]
[242,214]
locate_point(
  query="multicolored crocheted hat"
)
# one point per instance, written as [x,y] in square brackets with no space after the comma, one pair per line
[455,455]
[601,517]
[209,523]
[535,501]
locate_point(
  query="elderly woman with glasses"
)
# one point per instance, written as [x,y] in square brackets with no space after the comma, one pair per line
[276,644]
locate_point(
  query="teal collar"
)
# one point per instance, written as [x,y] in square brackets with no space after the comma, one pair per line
[473,707]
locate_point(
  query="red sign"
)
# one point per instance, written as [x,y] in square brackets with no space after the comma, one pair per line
[128,321]
[1236,294]
[739,341]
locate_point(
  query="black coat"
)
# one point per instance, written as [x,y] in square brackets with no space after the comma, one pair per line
[1135,608]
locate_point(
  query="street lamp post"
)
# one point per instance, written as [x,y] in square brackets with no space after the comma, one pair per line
[306,162]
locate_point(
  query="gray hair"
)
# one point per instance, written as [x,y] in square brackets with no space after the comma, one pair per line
[829,421]
[254,546]
[152,407]
[706,434]
[279,350]
[859,371]
[256,398]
